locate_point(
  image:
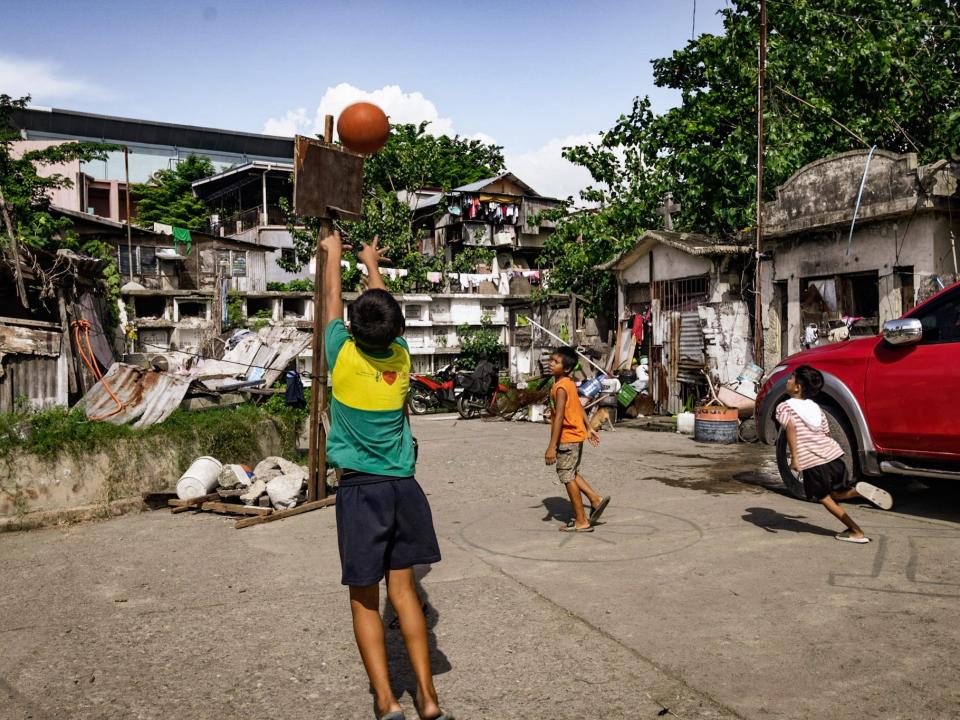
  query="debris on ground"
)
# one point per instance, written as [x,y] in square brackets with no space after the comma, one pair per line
[274,485]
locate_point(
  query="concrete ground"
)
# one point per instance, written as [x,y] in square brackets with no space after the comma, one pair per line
[706,593]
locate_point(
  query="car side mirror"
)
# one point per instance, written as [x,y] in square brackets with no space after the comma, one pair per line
[904,331]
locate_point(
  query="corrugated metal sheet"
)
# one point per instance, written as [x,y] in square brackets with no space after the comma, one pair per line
[272,350]
[691,338]
[38,379]
[147,396]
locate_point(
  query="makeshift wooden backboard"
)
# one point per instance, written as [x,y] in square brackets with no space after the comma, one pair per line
[327,180]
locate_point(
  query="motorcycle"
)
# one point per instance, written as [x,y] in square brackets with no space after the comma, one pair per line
[471,404]
[482,390]
[439,391]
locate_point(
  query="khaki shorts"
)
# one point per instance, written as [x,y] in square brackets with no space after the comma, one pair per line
[568,461]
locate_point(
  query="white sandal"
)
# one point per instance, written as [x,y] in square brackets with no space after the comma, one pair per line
[845,536]
[878,496]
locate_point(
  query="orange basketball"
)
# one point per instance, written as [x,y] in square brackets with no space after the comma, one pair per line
[363,128]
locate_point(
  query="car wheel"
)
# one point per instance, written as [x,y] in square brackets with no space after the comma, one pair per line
[418,400]
[839,431]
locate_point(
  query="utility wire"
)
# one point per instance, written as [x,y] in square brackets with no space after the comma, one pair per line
[832,119]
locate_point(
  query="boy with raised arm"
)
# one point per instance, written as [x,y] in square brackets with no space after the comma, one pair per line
[384,523]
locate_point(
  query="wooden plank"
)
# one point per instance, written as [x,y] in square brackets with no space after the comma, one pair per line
[32,323]
[235,508]
[183,508]
[280,514]
[177,502]
[25,341]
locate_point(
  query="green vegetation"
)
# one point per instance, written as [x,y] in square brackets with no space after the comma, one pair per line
[228,434]
[25,196]
[260,319]
[167,197]
[841,75]
[298,285]
[475,342]
[411,161]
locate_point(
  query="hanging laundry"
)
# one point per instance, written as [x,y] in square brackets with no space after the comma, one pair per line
[435,277]
[637,328]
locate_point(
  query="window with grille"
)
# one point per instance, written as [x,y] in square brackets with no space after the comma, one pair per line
[148,260]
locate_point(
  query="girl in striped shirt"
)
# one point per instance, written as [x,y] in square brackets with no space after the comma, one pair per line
[817,456]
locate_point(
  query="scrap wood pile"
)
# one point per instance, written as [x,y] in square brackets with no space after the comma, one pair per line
[274,488]
[148,393]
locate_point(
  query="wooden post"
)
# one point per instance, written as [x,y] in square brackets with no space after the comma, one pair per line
[758,280]
[317,468]
[14,253]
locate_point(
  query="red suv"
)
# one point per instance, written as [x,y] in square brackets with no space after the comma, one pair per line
[892,401]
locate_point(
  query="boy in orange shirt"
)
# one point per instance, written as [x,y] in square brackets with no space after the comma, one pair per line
[568,430]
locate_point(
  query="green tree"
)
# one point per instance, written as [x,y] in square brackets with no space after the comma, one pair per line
[26,191]
[167,197]
[841,75]
[26,202]
[478,342]
[411,161]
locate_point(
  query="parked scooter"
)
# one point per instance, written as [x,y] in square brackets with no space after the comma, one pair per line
[439,391]
[481,391]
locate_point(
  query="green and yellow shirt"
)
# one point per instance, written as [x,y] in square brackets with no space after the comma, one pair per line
[368,431]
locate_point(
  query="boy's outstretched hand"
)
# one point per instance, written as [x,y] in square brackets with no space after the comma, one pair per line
[593,437]
[371,254]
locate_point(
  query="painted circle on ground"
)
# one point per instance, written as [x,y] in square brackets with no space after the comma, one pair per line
[628,533]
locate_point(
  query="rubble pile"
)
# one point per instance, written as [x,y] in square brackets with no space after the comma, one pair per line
[274,485]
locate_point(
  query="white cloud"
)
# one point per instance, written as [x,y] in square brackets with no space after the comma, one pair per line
[400,107]
[547,171]
[43,80]
[543,168]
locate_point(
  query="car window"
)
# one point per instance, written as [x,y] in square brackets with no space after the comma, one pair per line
[941,323]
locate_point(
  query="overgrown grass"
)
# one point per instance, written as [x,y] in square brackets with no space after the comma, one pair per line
[227,433]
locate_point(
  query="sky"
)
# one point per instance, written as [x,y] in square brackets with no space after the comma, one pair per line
[530,76]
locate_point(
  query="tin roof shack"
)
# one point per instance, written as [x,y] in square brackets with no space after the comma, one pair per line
[247,202]
[680,305]
[161,262]
[825,283]
[502,213]
[39,363]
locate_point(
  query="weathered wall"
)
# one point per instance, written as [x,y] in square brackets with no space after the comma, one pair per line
[668,264]
[33,485]
[881,247]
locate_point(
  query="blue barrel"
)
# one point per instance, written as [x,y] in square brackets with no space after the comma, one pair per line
[592,387]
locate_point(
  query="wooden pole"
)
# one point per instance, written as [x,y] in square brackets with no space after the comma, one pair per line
[14,252]
[317,468]
[126,172]
[761,81]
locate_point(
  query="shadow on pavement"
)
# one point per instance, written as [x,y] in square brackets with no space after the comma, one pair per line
[401,673]
[558,508]
[773,522]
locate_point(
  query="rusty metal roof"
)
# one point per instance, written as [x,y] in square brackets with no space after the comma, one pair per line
[147,396]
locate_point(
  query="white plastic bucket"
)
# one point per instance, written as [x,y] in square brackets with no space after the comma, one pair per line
[199,479]
[685,423]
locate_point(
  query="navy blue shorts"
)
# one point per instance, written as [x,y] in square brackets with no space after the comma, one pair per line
[382,523]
